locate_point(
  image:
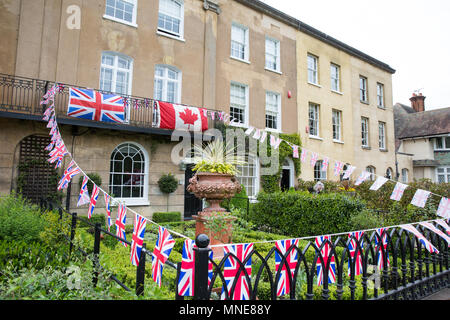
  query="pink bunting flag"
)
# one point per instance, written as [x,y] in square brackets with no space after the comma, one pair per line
[444,208]
[295,151]
[348,172]
[249,130]
[362,177]
[257,134]
[275,142]
[313,160]
[303,155]
[263,136]
[421,238]
[325,164]
[338,165]
[397,193]
[420,198]
[378,183]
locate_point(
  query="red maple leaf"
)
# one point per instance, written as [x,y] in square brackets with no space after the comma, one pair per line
[188,117]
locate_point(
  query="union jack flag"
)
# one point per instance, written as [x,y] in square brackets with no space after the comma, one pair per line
[187,272]
[71,171]
[120,223]
[328,261]
[84,197]
[427,244]
[138,239]
[444,208]
[325,164]
[355,251]
[303,155]
[338,165]
[58,153]
[163,247]
[108,210]
[362,177]
[444,225]
[436,230]
[93,202]
[382,233]
[313,160]
[287,254]
[237,254]
[93,105]
[348,172]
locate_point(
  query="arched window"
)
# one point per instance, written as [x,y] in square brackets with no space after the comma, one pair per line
[405,175]
[128,178]
[318,173]
[116,73]
[249,176]
[371,169]
[167,84]
[389,173]
[287,174]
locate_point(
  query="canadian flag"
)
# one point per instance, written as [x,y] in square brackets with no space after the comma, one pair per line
[181,117]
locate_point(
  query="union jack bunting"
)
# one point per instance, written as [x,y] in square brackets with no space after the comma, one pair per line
[427,244]
[313,160]
[57,154]
[275,141]
[263,137]
[431,227]
[84,197]
[93,201]
[93,105]
[397,193]
[187,272]
[108,210]
[362,177]
[71,171]
[295,151]
[444,225]
[420,198]
[378,183]
[257,134]
[120,223]
[348,172]
[48,112]
[328,261]
[355,253]
[338,165]
[138,239]
[303,155]
[325,163]
[163,247]
[444,208]
[287,250]
[237,254]
[50,146]
[249,130]
[382,233]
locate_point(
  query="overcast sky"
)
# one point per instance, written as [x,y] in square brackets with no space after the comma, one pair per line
[412,36]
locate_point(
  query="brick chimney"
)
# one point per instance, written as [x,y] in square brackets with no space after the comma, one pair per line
[418,102]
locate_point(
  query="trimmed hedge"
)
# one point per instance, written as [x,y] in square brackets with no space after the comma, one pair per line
[166,216]
[300,214]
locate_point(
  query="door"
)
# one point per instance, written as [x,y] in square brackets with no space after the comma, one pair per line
[192,205]
[285,180]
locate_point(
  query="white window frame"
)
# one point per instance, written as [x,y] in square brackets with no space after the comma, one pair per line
[336,119]
[255,178]
[245,108]
[276,113]
[276,55]
[313,69]
[365,138]
[380,95]
[115,69]
[167,32]
[131,23]
[405,175]
[363,96]
[136,201]
[335,77]
[321,175]
[445,147]
[372,170]
[315,120]
[165,80]
[445,174]
[382,135]
[245,45]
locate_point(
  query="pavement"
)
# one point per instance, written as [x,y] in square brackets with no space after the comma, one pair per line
[441,295]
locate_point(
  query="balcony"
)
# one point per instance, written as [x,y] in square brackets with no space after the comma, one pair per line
[20,98]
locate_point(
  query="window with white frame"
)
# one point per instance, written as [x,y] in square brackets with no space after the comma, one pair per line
[273,54]
[128,178]
[171,17]
[337,126]
[313,119]
[371,169]
[167,84]
[239,42]
[335,77]
[382,135]
[313,76]
[318,173]
[364,132]
[363,89]
[248,175]
[442,143]
[443,175]
[121,10]
[380,95]
[405,175]
[273,111]
[116,73]
[239,102]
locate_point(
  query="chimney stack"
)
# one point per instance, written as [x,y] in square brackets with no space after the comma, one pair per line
[418,102]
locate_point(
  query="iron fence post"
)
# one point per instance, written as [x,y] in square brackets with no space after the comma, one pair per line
[177,296]
[96,252]
[140,272]
[201,267]
[73,226]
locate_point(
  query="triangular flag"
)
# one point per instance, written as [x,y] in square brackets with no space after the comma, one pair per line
[397,193]
[427,244]
[378,183]
[84,197]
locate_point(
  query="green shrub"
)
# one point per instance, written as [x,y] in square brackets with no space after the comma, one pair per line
[167,183]
[300,214]
[172,216]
